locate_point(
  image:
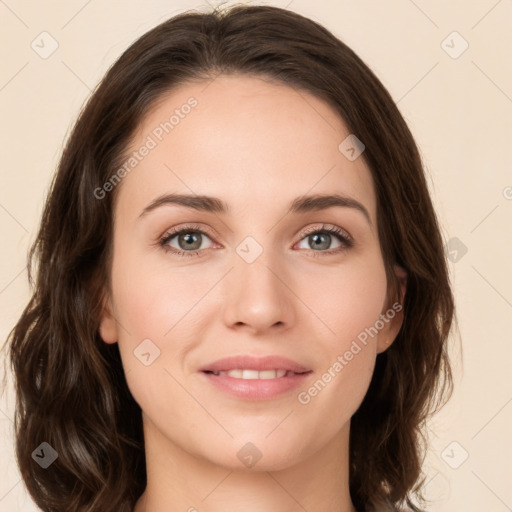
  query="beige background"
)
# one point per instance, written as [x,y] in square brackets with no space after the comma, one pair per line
[459,109]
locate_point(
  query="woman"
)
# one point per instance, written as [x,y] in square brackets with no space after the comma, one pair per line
[241,297]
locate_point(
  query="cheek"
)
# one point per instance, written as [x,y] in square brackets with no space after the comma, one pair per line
[346,300]
[152,314]
[149,298]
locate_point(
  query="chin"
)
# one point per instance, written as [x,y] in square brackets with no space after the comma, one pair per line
[256,453]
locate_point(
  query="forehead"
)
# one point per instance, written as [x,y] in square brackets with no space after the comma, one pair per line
[246,140]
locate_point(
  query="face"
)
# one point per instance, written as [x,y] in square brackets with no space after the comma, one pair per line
[279,283]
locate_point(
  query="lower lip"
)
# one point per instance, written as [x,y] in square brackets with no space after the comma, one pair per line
[256,389]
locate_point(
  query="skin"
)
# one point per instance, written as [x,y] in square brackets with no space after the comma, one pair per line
[257,146]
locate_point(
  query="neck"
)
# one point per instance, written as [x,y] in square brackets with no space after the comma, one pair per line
[180,481]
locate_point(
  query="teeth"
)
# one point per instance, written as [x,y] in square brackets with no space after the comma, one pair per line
[268,374]
[255,374]
[250,374]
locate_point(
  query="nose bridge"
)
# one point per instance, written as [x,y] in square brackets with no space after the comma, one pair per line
[255,294]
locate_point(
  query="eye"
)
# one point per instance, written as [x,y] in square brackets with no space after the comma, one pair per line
[320,240]
[186,241]
[190,240]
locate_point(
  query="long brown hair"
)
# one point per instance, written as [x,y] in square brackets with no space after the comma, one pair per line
[70,387]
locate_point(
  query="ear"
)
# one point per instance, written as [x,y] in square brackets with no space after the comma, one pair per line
[393,315]
[108,324]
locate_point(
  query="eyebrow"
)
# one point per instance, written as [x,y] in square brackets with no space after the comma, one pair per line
[302,204]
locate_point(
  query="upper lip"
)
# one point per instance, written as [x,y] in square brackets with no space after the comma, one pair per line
[246,362]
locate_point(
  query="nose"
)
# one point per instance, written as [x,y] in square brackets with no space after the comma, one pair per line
[258,296]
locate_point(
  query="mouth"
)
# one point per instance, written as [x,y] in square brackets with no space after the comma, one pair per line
[252,378]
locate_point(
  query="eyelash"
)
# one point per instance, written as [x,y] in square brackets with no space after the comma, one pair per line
[339,233]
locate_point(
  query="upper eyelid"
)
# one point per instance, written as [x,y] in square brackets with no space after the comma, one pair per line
[328,228]
[176,231]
